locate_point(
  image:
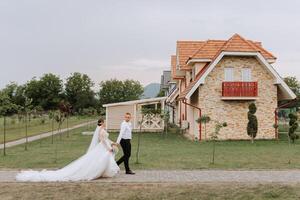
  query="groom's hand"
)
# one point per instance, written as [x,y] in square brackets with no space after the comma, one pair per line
[114,143]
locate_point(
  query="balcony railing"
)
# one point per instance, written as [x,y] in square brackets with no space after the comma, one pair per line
[239,90]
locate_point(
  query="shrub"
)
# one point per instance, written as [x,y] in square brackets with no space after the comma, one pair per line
[252,121]
[293,127]
[214,137]
[43,120]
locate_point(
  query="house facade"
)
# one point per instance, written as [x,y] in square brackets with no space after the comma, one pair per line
[165,82]
[220,78]
[168,85]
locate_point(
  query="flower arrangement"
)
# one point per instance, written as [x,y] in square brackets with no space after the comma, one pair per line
[115,148]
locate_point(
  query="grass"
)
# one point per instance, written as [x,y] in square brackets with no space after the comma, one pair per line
[15,129]
[134,191]
[159,152]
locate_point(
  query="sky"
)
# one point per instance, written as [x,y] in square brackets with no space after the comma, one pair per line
[133,39]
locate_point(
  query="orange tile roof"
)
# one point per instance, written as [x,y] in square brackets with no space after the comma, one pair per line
[237,43]
[263,51]
[185,49]
[211,49]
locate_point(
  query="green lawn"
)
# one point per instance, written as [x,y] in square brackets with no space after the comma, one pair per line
[15,128]
[158,152]
[147,191]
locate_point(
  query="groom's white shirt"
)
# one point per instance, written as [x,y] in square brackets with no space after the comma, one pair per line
[125,131]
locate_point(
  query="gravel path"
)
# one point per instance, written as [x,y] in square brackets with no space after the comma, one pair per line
[200,176]
[42,135]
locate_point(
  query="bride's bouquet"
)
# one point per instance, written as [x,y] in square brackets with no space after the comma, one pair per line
[115,148]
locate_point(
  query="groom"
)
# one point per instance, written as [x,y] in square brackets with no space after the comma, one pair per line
[124,140]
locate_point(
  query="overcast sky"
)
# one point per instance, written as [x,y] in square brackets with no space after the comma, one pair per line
[134,39]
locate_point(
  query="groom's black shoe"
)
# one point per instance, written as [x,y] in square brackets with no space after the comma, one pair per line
[130,172]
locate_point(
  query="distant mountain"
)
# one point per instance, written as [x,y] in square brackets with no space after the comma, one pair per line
[151,90]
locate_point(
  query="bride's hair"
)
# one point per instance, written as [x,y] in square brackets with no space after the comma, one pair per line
[100,122]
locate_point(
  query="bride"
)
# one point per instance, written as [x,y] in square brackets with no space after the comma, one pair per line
[98,162]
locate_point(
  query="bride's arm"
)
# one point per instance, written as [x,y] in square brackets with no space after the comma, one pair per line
[104,141]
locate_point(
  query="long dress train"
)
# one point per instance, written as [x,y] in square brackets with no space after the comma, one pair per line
[97,162]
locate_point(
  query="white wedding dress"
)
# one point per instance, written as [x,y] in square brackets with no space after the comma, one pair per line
[97,162]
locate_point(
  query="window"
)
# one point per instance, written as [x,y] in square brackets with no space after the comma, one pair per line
[228,74]
[246,74]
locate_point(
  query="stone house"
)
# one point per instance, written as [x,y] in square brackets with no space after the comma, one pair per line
[220,78]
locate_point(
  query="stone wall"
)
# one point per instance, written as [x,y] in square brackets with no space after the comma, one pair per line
[234,112]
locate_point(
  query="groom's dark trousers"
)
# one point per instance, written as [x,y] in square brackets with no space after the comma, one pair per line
[126,146]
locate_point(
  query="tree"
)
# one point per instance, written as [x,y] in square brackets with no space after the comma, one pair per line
[165,115]
[112,91]
[204,119]
[46,92]
[65,109]
[293,83]
[252,122]
[51,115]
[293,127]
[59,117]
[6,108]
[27,109]
[15,93]
[10,89]
[214,137]
[132,90]
[292,136]
[161,93]
[33,91]
[79,93]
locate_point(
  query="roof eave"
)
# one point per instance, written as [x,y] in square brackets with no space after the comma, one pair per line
[135,101]
[198,60]
[271,60]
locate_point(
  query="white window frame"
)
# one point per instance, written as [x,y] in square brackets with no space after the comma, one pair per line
[246,74]
[229,74]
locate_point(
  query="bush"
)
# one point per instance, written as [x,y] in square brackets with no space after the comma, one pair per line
[252,121]
[293,127]
[43,120]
